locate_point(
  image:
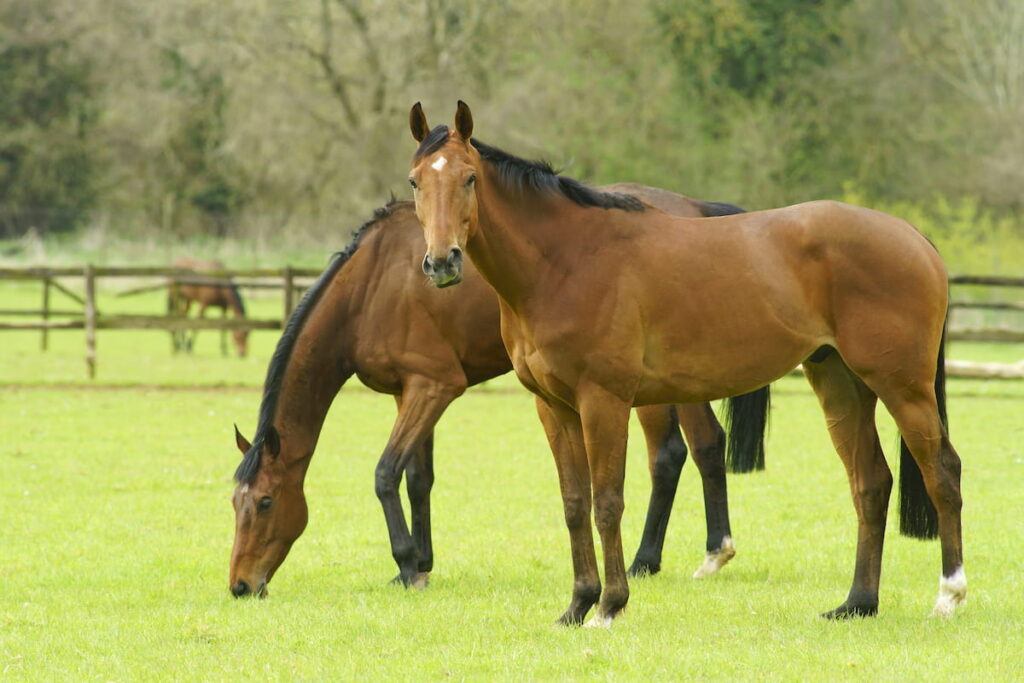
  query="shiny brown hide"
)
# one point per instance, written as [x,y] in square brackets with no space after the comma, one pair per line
[605,306]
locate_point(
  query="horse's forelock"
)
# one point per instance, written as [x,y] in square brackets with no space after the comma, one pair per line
[434,141]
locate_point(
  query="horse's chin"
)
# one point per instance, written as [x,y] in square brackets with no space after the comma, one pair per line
[442,283]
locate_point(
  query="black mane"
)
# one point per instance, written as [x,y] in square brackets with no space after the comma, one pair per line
[534,176]
[250,465]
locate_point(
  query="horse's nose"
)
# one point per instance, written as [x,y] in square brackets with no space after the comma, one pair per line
[454,257]
[428,265]
[239,589]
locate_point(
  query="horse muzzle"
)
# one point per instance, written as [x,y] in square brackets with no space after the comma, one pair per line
[446,271]
[241,589]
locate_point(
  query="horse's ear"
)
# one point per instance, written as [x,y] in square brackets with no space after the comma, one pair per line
[418,122]
[272,440]
[243,443]
[464,121]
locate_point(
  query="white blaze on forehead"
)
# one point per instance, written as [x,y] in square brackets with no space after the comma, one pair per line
[439,164]
[244,490]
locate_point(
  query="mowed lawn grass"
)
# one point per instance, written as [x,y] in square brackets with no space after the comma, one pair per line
[116,528]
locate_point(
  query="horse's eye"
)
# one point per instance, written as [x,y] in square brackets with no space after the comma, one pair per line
[265,503]
[471,180]
[413,183]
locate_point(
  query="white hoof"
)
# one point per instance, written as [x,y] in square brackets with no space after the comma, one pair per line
[952,593]
[598,621]
[714,561]
[421,581]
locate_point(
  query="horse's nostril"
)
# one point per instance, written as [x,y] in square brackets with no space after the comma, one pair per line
[428,267]
[239,589]
[454,255]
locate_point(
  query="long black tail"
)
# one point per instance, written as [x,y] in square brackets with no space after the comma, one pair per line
[918,518]
[746,420]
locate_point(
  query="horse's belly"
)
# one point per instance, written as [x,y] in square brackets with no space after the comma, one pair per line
[701,373]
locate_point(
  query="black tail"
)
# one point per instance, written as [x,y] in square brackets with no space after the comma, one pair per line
[746,420]
[918,518]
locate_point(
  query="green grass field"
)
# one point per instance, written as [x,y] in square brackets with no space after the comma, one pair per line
[116,527]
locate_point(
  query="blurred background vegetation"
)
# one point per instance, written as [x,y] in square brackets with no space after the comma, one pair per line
[283,123]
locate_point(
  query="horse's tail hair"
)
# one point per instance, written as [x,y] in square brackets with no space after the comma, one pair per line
[918,517]
[746,420]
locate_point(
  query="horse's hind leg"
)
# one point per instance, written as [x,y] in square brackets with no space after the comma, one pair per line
[707,441]
[419,479]
[849,407]
[666,454]
[422,403]
[917,417]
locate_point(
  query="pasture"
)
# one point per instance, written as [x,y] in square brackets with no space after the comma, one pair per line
[117,526]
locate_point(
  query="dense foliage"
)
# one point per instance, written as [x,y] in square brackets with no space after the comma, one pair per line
[264,117]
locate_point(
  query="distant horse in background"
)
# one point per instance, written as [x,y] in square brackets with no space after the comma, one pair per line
[219,293]
[372,314]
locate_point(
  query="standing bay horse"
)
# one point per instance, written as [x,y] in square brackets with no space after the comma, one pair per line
[372,314]
[608,304]
[216,294]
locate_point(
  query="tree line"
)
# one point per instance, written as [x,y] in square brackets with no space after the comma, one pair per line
[268,117]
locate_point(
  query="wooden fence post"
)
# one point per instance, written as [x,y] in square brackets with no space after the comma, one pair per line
[289,294]
[90,321]
[44,340]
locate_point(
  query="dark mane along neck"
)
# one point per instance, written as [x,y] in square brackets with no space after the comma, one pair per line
[541,178]
[249,467]
[533,176]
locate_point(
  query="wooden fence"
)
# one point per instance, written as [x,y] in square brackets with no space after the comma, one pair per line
[292,281]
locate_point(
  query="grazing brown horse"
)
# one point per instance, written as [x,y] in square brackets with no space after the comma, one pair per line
[608,304]
[372,314]
[217,294]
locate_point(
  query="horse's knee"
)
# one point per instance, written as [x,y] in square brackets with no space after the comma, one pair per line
[419,483]
[577,510]
[669,463]
[386,479]
[608,509]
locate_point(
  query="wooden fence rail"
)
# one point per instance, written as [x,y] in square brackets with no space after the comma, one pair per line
[292,281]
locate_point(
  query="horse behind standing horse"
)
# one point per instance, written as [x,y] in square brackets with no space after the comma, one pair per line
[218,294]
[371,314]
[607,304]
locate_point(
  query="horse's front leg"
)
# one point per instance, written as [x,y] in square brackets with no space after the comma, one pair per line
[224,334]
[422,403]
[707,441]
[419,479]
[565,435]
[666,454]
[605,420]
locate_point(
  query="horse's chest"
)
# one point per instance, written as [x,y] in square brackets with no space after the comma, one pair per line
[535,368]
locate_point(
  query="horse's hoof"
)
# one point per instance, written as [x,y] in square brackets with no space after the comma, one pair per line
[847,611]
[952,594]
[418,581]
[716,559]
[599,621]
[640,569]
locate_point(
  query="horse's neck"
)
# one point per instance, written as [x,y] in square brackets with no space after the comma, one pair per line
[515,243]
[236,305]
[319,364]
